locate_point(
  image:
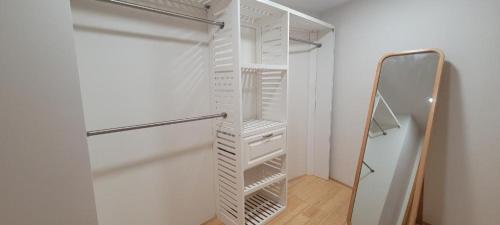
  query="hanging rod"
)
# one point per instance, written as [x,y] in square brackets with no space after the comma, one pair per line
[379,127]
[164,12]
[157,124]
[318,45]
[369,167]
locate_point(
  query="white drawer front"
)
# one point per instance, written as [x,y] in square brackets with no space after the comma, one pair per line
[262,147]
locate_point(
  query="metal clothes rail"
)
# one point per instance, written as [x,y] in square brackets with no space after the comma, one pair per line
[157,124]
[185,16]
[369,167]
[164,12]
[379,127]
[318,45]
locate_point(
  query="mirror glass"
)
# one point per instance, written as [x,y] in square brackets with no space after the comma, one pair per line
[398,122]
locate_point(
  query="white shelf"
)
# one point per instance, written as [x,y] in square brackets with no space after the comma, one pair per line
[251,127]
[262,67]
[299,20]
[260,210]
[263,182]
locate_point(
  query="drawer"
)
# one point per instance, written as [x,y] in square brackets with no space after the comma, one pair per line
[260,148]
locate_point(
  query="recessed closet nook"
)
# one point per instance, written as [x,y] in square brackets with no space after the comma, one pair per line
[254,79]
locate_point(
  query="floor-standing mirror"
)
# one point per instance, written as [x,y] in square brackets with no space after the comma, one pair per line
[395,144]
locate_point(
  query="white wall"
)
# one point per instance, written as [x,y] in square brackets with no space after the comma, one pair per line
[323,106]
[297,133]
[460,183]
[138,67]
[44,163]
[310,90]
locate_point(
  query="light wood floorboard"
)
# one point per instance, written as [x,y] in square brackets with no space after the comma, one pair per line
[312,201]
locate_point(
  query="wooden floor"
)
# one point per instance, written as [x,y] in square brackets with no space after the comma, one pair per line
[312,201]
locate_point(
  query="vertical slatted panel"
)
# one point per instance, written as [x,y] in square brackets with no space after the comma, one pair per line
[273,95]
[249,94]
[226,150]
[273,48]
[225,97]
[271,44]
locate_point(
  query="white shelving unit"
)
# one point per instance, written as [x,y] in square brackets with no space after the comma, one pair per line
[260,209]
[249,64]
[265,174]
[249,75]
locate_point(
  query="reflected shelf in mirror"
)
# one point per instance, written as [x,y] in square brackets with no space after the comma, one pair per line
[383,117]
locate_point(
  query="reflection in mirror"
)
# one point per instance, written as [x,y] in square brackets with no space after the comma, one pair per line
[401,107]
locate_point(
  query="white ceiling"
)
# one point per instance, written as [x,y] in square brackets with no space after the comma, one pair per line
[310,6]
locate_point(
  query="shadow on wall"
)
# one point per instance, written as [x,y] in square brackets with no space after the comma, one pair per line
[188,72]
[131,34]
[438,168]
[98,173]
[141,17]
[169,81]
[189,65]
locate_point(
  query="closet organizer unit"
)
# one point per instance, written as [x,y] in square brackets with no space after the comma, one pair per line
[249,59]
[249,54]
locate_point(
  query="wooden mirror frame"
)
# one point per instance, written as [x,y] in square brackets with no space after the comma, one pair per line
[413,204]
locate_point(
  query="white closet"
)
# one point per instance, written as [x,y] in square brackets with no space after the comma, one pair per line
[249,43]
[250,72]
